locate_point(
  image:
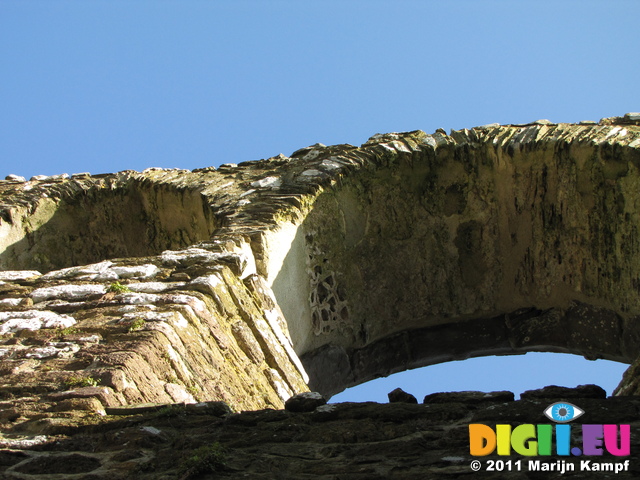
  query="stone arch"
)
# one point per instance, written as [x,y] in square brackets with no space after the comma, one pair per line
[441,252]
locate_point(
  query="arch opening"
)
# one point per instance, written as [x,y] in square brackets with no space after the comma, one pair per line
[130,220]
[515,373]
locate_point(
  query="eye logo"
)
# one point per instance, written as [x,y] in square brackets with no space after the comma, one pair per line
[563,412]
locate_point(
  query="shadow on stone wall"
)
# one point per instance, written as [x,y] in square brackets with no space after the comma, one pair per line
[131,220]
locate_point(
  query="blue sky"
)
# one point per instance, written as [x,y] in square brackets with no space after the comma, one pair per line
[104,86]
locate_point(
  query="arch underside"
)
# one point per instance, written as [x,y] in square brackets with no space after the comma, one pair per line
[333,368]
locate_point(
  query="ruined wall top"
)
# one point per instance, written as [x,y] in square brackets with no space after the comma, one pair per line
[246,197]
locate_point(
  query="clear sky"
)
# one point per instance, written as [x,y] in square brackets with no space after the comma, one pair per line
[103,86]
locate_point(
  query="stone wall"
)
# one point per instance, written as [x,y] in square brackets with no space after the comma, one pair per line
[251,282]
[351,441]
